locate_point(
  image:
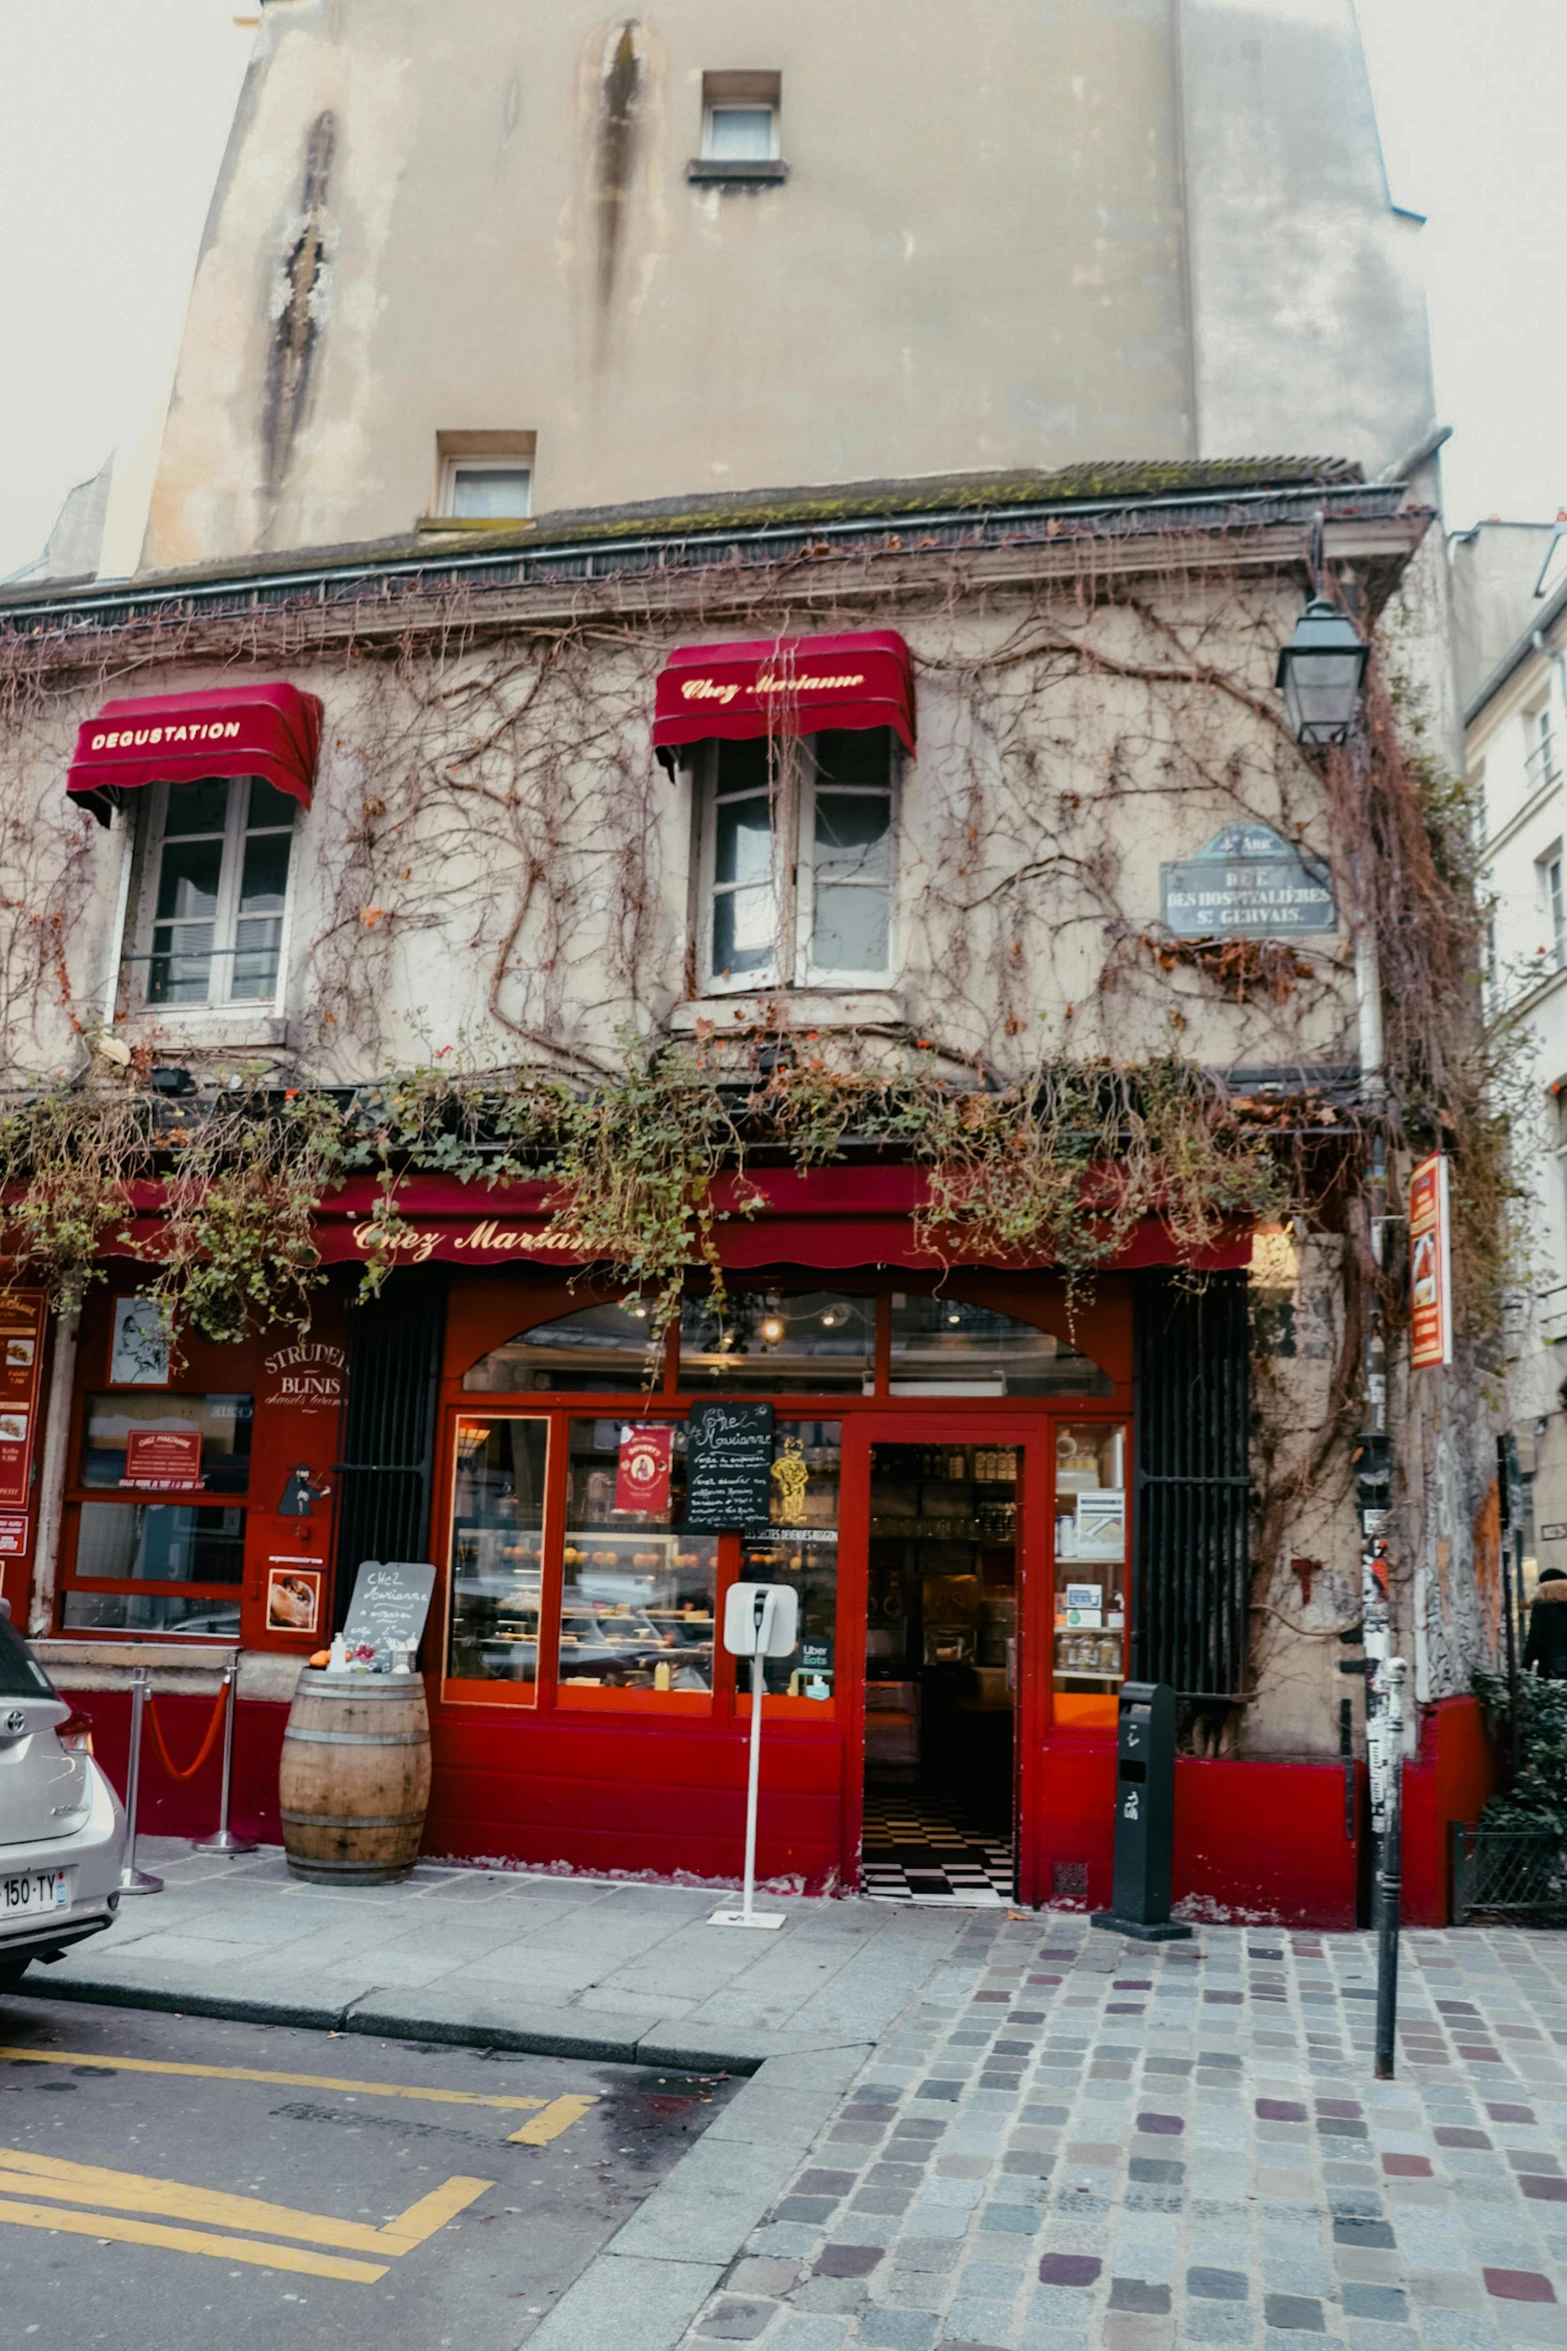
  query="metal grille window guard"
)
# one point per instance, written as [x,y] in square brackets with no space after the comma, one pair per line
[394,1368]
[1508,1875]
[1192,1573]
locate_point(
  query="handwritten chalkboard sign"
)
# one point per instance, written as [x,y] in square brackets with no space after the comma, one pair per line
[390,1603]
[729,1466]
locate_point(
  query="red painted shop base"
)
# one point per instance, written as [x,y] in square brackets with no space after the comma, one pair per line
[1256,1840]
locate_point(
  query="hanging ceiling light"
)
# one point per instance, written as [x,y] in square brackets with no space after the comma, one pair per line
[1320,673]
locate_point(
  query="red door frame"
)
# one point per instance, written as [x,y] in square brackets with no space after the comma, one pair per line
[1033,1433]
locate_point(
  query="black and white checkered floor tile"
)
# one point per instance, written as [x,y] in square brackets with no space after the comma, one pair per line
[918,1851]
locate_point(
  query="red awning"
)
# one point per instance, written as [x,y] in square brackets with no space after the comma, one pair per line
[823,1216]
[783,686]
[272,731]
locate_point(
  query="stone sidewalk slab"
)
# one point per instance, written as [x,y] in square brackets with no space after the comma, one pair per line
[560,1966]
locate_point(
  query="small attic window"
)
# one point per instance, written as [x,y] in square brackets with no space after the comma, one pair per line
[484,477]
[740,142]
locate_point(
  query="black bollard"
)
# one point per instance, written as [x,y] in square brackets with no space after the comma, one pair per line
[1144,1817]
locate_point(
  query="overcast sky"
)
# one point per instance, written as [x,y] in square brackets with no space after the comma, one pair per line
[114,113]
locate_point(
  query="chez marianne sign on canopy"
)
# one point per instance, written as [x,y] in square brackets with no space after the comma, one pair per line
[784,686]
[271,730]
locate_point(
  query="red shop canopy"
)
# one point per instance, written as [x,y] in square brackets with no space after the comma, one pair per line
[783,686]
[273,731]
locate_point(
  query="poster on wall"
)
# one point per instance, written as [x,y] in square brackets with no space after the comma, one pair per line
[162,1457]
[293,1598]
[1430,1266]
[21,1363]
[139,1346]
[642,1473]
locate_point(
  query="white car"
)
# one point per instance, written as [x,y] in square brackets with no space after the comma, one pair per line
[62,1827]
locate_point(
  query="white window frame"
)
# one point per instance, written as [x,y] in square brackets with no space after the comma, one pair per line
[1542,767]
[795,783]
[717,106]
[475,461]
[225,920]
[1553,890]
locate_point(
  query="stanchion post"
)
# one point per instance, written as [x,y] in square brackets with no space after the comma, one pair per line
[225,1841]
[132,1879]
[1390,1869]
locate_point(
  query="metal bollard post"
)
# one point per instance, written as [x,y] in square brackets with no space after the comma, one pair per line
[225,1841]
[1390,1871]
[132,1879]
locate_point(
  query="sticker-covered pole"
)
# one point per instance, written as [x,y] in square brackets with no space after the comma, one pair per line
[1390,1868]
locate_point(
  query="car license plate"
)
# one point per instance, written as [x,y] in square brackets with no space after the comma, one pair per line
[37,1890]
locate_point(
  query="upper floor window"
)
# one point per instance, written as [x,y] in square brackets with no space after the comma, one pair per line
[1541,765]
[484,476]
[798,859]
[739,129]
[215,893]
[485,490]
[1555,897]
[740,134]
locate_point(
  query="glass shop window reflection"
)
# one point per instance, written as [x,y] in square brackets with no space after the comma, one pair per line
[497,1552]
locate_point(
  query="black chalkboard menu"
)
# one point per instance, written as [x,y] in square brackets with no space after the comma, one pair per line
[391,1598]
[729,1467]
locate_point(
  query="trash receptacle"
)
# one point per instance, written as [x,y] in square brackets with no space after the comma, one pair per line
[1144,1817]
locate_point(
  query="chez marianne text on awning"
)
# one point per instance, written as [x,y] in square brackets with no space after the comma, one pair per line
[784,686]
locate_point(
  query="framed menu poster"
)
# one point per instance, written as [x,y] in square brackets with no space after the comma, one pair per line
[21,1362]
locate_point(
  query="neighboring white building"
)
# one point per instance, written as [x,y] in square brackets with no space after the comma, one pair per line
[1510,595]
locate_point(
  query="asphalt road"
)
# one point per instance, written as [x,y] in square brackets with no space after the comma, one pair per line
[394,2193]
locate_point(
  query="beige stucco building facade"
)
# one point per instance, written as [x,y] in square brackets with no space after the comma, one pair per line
[1153,230]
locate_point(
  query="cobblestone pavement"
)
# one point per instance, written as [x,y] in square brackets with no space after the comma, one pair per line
[1071,2141]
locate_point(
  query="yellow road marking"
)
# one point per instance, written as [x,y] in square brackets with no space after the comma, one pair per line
[147,2232]
[308,2081]
[558,2116]
[129,2191]
[432,2212]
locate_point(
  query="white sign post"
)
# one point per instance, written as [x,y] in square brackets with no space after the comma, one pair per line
[760,1620]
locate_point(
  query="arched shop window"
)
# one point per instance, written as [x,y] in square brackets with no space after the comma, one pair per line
[602,1347]
[944,1347]
[801,1343]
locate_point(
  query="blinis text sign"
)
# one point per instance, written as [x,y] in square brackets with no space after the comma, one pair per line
[1430,1266]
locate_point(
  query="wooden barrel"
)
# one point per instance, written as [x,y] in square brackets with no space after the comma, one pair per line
[355,1776]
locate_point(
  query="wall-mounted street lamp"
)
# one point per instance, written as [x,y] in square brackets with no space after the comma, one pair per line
[1321,671]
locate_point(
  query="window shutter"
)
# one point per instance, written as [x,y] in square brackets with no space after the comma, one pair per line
[384,1478]
[1191,1587]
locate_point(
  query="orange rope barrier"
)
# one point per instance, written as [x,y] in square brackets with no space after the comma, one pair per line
[207,1744]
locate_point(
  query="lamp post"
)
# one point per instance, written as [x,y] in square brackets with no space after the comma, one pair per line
[1321,673]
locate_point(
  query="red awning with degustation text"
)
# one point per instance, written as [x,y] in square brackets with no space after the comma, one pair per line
[272,731]
[783,686]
